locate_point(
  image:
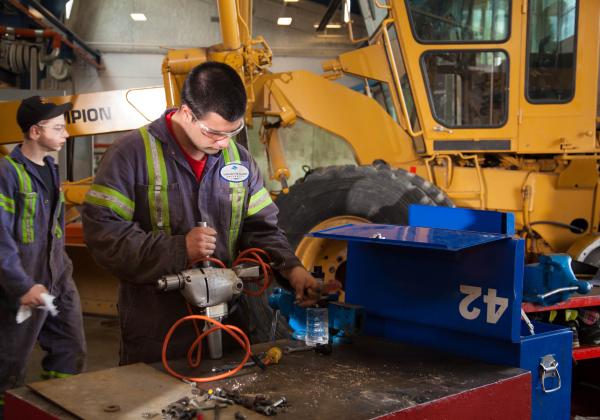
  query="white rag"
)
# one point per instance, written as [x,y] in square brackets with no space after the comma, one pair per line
[25,311]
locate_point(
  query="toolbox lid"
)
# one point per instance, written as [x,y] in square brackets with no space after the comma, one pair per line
[409,236]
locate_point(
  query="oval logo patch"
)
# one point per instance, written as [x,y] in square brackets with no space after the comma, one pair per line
[235,172]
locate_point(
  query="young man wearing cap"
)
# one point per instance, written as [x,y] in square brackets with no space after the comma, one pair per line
[152,188]
[33,261]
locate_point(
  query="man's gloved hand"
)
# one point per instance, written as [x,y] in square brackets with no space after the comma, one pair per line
[200,243]
[33,297]
[308,289]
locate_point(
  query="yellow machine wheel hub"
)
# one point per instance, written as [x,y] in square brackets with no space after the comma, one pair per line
[327,253]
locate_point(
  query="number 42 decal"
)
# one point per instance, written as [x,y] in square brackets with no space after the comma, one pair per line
[495,305]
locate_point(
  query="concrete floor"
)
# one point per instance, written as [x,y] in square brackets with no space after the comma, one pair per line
[102,335]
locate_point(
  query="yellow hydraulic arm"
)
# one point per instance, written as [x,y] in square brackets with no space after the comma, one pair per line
[356,118]
[249,57]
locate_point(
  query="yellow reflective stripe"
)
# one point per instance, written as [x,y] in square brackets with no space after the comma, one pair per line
[101,195]
[7,208]
[29,202]
[52,374]
[238,193]
[18,169]
[237,203]
[7,203]
[29,213]
[234,151]
[226,157]
[259,201]
[158,181]
[58,232]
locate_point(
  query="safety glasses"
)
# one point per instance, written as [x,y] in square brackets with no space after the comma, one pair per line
[219,135]
[216,134]
[60,128]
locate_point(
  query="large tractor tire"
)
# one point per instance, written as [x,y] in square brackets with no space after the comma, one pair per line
[330,197]
[337,195]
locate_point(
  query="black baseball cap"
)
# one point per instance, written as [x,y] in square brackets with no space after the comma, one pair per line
[35,109]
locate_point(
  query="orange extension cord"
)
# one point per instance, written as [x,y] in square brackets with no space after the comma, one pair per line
[252,255]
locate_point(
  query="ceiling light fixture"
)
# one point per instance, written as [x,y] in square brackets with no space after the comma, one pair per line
[284,21]
[329,25]
[138,17]
[291,1]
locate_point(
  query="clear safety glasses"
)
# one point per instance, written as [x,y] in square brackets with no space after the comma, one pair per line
[216,134]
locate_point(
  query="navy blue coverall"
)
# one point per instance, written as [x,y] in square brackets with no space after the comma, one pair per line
[32,250]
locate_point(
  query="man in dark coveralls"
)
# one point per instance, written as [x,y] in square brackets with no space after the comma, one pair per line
[152,188]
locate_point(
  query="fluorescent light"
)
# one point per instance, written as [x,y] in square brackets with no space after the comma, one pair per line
[68,7]
[139,17]
[291,1]
[329,25]
[347,11]
[284,21]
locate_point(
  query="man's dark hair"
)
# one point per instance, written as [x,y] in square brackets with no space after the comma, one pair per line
[214,87]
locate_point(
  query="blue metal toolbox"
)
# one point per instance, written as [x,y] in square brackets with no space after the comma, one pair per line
[453,280]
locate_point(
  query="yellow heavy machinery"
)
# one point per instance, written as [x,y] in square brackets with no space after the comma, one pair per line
[484,104]
[488,104]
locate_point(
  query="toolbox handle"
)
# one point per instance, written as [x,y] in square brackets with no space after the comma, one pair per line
[549,369]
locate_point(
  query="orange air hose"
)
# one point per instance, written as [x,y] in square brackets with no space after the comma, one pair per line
[256,258]
[232,330]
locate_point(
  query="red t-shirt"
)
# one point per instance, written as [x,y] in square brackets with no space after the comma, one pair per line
[196,165]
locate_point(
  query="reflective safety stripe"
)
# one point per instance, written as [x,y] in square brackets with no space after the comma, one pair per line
[30,200]
[7,204]
[259,201]
[158,182]
[112,199]
[238,194]
[52,374]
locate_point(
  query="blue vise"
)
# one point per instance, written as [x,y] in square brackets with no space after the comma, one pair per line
[551,280]
[345,320]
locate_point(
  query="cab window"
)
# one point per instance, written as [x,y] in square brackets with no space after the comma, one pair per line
[467,88]
[456,21]
[551,50]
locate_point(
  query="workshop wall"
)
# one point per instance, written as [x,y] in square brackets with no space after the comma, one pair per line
[132,52]
[134,70]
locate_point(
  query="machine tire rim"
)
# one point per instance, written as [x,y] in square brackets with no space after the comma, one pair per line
[328,253]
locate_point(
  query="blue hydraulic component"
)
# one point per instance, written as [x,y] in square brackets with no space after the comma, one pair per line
[345,320]
[551,280]
[283,301]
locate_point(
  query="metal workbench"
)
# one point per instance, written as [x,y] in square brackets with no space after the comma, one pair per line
[368,379]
